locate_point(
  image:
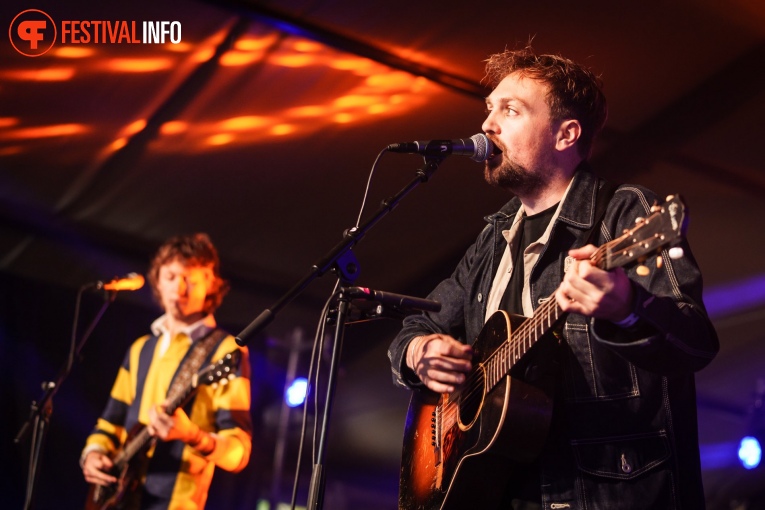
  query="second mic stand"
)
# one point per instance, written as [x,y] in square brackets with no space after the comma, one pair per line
[42,409]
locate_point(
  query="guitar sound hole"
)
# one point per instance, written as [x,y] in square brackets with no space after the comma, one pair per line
[471,398]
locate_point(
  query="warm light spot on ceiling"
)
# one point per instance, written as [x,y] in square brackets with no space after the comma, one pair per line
[220,139]
[203,55]
[135,127]
[355,101]
[391,80]
[420,83]
[139,65]
[343,118]
[173,127]
[307,46]
[240,58]
[243,123]
[361,66]
[43,132]
[118,144]
[396,99]
[294,60]
[376,109]
[74,52]
[181,47]
[10,151]
[50,74]
[282,129]
[253,44]
[307,111]
[8,121]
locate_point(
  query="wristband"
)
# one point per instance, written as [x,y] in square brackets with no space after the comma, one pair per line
[411,352]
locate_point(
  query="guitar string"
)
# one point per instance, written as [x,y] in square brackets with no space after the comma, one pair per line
[515,344]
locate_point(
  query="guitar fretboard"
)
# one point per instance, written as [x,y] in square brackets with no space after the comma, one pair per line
[501,361]
[143,437]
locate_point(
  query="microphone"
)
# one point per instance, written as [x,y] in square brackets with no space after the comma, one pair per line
[131,281]
[477,147]
[397,301]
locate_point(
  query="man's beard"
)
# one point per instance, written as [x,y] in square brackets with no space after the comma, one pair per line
[513,177]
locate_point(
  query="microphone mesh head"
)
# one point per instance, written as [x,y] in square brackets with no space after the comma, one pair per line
[483,147]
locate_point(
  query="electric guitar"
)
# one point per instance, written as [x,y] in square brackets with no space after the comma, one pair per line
[458,447]
[131,461]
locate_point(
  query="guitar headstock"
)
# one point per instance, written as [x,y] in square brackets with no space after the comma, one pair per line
[665,226]
[219,372]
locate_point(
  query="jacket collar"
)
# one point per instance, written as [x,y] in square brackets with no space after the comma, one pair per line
[578,207]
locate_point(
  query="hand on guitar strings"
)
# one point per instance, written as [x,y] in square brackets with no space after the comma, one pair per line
[169,427]
[440,361]
[96,468]
[591,291]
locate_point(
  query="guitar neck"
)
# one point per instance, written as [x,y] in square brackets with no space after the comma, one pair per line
[545,318]
[141,439]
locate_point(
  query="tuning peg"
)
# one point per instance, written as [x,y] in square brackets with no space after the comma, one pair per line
[676,253]
[655,207]
[642,269]
[659,262]
[670,198]
[639,220]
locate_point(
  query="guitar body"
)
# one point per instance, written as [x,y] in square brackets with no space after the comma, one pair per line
[126,492]
[446,462]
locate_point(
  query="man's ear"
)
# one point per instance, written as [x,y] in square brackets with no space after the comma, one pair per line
[568,133]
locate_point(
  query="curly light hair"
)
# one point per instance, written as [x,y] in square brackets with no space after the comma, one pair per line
[191,250]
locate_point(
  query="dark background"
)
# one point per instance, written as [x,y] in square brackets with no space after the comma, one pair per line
[261,129]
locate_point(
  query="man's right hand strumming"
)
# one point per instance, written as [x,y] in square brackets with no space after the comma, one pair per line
[440,361]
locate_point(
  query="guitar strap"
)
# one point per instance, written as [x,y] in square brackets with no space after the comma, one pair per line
[193,361]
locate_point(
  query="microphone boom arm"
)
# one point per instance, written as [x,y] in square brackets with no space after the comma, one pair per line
[340,258]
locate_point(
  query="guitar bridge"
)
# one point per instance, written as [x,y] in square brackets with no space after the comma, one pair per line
[436,433]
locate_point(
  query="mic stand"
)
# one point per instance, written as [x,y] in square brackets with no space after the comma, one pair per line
[40,411]
[316,487]
[339,258]
[342,260]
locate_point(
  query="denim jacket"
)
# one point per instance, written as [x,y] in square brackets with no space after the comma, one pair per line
[624,431]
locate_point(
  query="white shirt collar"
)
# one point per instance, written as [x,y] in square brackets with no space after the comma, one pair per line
[194,331]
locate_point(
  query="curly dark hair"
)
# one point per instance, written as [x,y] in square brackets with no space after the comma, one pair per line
[191,250]
[575,92]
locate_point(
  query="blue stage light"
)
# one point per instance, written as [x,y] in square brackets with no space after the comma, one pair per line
[295,394]
[750,452]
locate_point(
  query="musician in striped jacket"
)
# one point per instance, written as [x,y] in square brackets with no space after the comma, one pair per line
[214,428]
